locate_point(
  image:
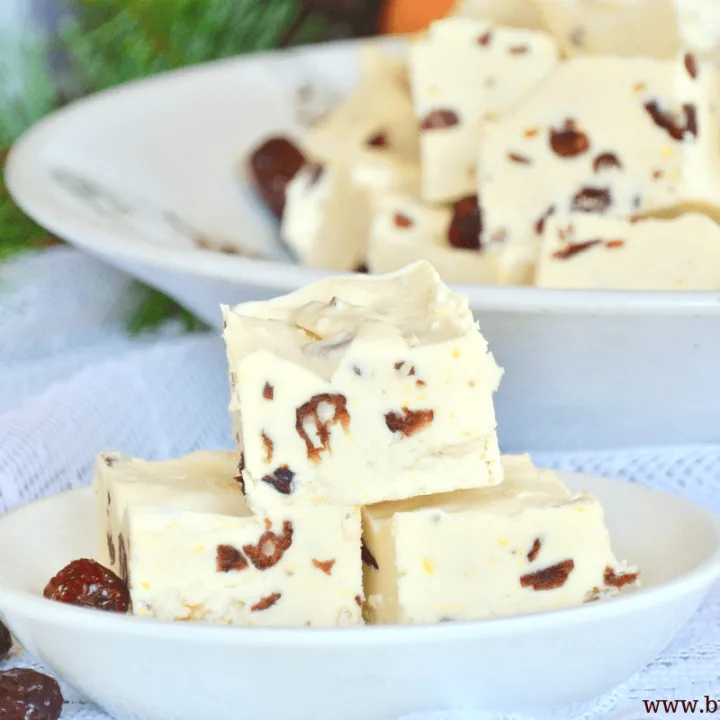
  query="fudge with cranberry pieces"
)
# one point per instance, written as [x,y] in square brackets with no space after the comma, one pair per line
[598,253]
[524,546]
[462,72]
[361,389]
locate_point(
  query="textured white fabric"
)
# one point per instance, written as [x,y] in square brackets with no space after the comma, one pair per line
[72,383]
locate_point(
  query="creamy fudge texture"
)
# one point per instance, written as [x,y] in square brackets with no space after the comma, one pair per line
[612,27]
[641,138]
[327,217]
[699,27]
[383,172]
[512,13]
[406,230]
[378,113]
[462,72]
[361,389]
[292,567]
[329,207]
[524,546]
[203,481]
[597,253]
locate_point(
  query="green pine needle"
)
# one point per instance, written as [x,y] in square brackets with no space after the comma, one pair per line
[122,40]
[154,309]
[115,41]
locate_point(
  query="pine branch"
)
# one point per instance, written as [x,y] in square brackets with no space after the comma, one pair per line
[114,41]
[154,309]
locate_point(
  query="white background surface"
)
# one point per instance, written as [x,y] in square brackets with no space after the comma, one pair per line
[72,383]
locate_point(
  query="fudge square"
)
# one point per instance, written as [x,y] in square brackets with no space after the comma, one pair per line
[524,546]
[405,230]
[602,253]
[203,481]
[327,217]
[291,567]
[361,389]
[641,138]
[612,27]
[462,72]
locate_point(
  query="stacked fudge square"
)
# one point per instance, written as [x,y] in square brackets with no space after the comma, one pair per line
[526,142]
[366,484]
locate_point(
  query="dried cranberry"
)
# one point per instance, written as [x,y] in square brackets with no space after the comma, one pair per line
[573,249]
[29,695]
[606,161]
[268,391]
[534,550]
[691,65]
[266,602]
[540,223]
[484,39]
[612,579]
[592,200]
[410,422]
[273,165]
[379,140]
[518,158]
[549,578]
[269,447]
[311,411]
[88,584]
[466,224]
[229,558]
[281,479]
[671,123]
[439,120]
[270,547]
[363,269]
[5,641]
[402,221]
[569,141]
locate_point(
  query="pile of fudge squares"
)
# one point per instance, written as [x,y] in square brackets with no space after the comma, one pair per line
[366,485]
[557,143]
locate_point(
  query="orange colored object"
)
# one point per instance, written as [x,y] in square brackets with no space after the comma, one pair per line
[408,16]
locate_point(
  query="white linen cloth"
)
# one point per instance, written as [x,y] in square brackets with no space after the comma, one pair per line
[73,383]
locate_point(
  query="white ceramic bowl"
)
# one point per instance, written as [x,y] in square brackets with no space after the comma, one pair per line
[134,174]
[140,669]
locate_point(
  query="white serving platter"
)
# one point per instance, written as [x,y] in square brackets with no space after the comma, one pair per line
[137,668]
[138,174]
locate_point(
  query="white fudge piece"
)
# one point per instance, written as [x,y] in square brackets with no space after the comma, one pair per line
[204,481]
[461,72]
[361,389]
[699,27]
[327,217]
[406,230]
[640,138]
[378,111]
[511,13]
[612,27]
[524,546]
[293,567]
[383,172]
[590,252]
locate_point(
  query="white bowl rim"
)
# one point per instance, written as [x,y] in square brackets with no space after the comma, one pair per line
[26,183]
[701,577]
